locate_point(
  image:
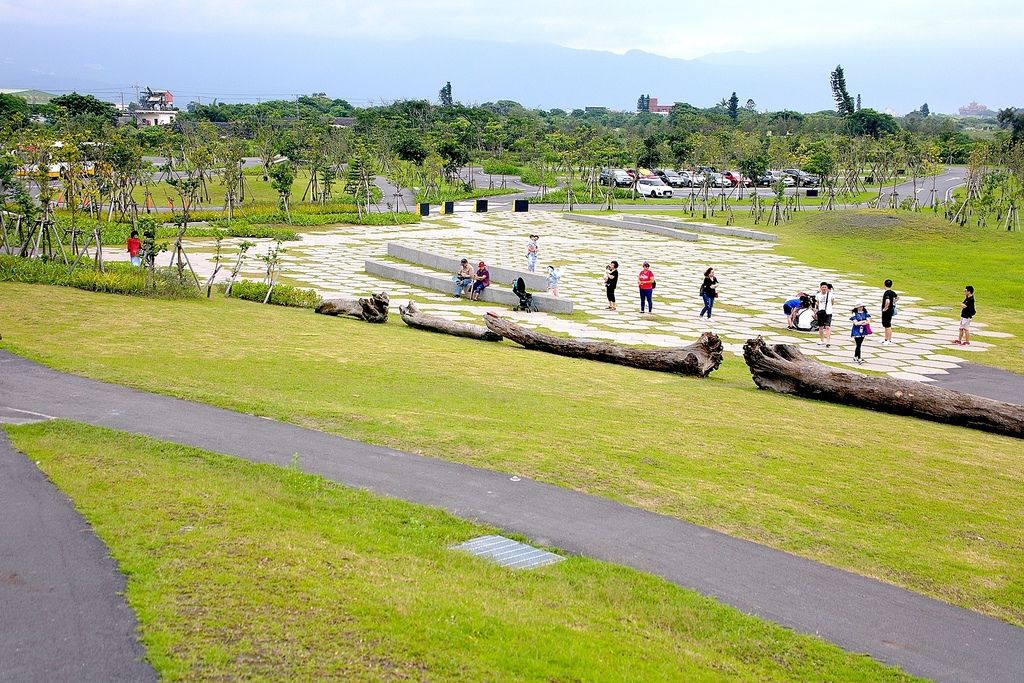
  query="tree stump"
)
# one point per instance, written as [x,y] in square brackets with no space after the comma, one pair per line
[413,317]
[372,310]
[782,368]
[697,360]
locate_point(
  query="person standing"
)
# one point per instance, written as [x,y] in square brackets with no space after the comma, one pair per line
[531,253]
[967,313]
[889,298]
[708,292]
[824,301]
[861,328]
[553,278]
[611,281]
[647,284]
[134,246]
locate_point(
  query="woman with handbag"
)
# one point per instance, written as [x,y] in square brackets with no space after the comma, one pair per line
[708,292]
[647,284]
[861,328]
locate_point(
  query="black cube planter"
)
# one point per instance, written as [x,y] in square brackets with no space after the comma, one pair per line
[869,179]
[481,206]
[812,193]
[521,205]
[424,209]
[448,208]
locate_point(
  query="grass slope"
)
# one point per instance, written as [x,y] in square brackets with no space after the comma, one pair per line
[241,571]
[924,255]
[935,508]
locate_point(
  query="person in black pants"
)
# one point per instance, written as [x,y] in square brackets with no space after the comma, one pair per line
[889,298]
[611,281]
[708,292]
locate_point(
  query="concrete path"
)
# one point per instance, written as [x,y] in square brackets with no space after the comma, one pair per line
[923,636]
[994,383]
[62,612]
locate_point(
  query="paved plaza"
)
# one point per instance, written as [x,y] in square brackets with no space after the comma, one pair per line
[755,280]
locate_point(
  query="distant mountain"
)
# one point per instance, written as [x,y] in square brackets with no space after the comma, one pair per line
[232,68]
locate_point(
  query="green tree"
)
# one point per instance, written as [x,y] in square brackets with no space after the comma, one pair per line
[643,103]
[281,178]
[871,122]
[445,95]
[14,111]
[74,105]
[858,101]
[844,103]
[733,108]
[924,109]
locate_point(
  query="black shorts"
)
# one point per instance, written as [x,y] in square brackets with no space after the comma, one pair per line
[886,319]
[824,319]
[787,309]
[611,294]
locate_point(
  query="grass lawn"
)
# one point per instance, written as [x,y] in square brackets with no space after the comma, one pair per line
[240,571]
[935,508]
[924,255]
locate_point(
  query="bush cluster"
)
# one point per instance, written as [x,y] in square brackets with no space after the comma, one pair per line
[116,278]
[283,295]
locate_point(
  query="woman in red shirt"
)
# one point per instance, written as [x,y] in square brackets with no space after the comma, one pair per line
[646,280]
[134,246]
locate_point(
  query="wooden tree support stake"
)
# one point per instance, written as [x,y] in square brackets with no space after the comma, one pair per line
[782,368]
[698,359]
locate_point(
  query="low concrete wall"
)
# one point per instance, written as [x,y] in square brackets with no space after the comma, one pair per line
[631,225]
[497,294]
[452,265]
[708,229]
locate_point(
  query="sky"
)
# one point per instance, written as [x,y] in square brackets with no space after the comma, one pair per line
[893,44]
[678,29]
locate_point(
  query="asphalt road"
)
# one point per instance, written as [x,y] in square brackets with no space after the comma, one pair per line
[62,612]
[923,636]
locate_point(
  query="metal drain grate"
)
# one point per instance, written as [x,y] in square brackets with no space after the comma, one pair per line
[508,553]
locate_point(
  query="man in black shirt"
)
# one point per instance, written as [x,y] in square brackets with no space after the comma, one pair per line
[967,312]
[888,311]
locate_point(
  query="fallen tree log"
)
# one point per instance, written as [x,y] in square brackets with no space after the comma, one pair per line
[782,368]
[414,317]
[698,359]
[372,310]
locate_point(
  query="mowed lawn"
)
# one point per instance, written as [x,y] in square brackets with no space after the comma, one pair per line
[934,508]
[924,255]
[240,572]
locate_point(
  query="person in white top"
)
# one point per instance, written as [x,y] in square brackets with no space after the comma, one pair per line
[824,300]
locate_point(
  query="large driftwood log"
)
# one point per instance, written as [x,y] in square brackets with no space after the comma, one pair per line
[414,317]
[698,359]
[372,310]
[782,368]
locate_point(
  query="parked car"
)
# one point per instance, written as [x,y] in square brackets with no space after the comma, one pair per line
[718,180]
[735,179]
[615,176]
[772,177]
[653,187]
[803,178]
[670,177]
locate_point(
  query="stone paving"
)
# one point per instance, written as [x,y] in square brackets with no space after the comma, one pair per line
[754,282]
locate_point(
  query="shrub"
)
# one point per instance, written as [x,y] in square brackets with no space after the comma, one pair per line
[532,176]
[118,278]
[283,295]
[499,167]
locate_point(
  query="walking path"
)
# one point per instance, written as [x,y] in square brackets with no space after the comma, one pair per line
[62,613]
[924,636]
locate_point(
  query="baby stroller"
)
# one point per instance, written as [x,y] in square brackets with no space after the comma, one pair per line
[526,302]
